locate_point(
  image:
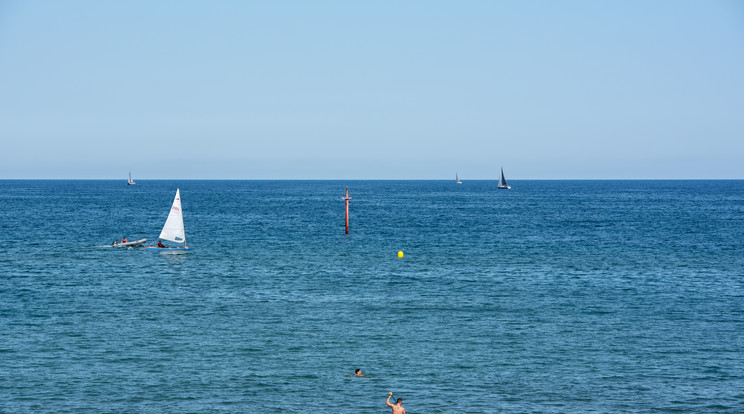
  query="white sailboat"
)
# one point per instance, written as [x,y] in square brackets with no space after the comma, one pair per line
[457,179]
[173,230]
[502,181]
[131,181]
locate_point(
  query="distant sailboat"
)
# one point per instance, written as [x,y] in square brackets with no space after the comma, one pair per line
[502,182]
[131,181]
[457,179]
[173,229]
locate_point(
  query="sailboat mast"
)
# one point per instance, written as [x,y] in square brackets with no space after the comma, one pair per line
[184,227]
[346,198]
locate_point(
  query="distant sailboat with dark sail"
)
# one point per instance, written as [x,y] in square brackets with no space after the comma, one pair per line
[502,181]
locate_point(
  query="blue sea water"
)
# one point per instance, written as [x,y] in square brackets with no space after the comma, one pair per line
[552,297]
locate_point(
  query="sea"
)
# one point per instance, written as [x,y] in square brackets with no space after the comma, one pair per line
[551,297]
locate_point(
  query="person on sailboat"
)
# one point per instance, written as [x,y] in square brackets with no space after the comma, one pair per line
[160,244]
[124,240]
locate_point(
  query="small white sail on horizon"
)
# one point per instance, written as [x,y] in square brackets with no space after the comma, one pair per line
[457,179]
[131,181]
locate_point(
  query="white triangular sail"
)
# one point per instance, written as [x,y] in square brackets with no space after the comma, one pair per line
[173,229]
[131,181]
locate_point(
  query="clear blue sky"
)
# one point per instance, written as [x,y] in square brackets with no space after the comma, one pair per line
[378,89]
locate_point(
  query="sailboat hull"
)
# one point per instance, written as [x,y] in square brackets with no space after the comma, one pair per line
[165,249]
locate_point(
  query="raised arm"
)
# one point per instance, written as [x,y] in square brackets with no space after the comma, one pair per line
[387,402]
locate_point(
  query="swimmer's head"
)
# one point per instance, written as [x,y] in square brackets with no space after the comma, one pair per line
[358,371]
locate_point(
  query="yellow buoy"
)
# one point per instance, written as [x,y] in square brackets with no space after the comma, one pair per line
[400,254]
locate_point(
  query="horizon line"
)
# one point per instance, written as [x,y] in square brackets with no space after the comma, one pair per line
[372,179]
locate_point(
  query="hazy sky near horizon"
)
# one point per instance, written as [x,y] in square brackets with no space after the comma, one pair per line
[378,90]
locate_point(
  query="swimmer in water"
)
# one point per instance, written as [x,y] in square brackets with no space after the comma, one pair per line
[357,373]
